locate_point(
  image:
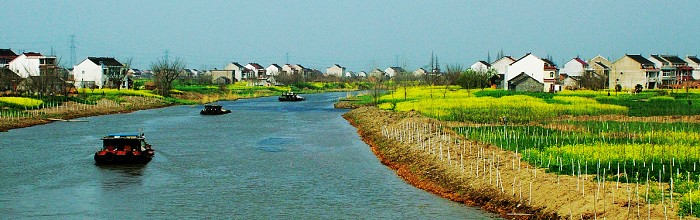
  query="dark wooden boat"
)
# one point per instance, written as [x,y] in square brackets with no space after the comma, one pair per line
[214,110]
[290,97]
[130,148]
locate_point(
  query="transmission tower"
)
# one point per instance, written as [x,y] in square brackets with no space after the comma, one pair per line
[72,51]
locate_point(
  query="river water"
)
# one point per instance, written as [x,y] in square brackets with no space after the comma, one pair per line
[265,160]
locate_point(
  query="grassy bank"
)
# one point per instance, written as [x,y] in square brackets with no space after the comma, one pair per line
[431,155]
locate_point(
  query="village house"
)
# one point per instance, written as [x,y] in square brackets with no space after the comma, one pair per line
[100,72]
[273,70]
[541,70]
[255,71]
[600,66]
[335,70]
[377,73]
[673,69]
[480,66]
[694,63]
[500,66]
[575,67]
[393,71]
[6,55]
[361,74]
[570,75]
[31,63]
[420,72]
[633,69]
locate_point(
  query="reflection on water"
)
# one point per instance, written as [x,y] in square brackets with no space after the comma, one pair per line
[267,159]
[121,176]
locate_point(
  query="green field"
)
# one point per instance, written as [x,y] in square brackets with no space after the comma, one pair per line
[547,130]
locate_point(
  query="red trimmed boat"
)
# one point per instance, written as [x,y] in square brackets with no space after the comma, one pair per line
[130,148]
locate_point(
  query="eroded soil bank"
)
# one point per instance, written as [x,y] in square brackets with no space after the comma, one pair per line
[429,155]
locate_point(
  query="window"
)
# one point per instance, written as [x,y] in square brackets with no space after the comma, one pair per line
[83,72]
[551,74]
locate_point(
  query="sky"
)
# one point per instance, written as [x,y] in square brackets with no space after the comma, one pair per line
[360,35]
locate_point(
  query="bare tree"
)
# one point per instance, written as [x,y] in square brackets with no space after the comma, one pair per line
[165,72]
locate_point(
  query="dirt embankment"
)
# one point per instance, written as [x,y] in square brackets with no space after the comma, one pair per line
[72,110]
[429,155]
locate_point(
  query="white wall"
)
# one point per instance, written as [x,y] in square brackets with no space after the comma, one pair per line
[87,71]
[572,68]
[25,66]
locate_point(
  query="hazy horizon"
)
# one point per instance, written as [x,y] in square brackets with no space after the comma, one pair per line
[360,35]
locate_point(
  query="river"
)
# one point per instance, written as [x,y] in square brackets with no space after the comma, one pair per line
[266,160]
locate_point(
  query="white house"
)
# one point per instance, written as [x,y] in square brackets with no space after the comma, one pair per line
[542,70]
[362,74]
[255,70]
[480,66]
[575,67]
[694,62]
[377,73]
[420,72]
[335,70]
[501,65]
[31,63]
[393,71]
[273,70]
[236,71]
[95,72]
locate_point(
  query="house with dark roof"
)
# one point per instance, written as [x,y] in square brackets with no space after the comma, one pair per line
[542,70]
[393,71]
[633,69]
[6,55]
[575,67]
[273,70]
[31,64]
[255,71]
[335,70]
[674,70]
[525,83]
[694,63]
[100,72]
[480,66]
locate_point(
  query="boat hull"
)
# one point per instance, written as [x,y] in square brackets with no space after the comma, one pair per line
[102,157]
[203,112]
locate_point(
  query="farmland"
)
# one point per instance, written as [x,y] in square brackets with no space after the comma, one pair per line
[649,139]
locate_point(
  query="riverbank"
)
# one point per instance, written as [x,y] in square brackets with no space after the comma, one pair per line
[429,155]
[71,110]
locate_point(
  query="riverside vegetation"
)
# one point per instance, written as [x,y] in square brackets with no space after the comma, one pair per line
[580,154]
[17,112]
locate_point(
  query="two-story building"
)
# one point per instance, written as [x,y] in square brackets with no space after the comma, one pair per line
[31,64]
[543,71]
[335,70]
[6,55]
[273,70]
[393,71]
[694,63]
[99,72]
[480,66]
[674,70]
[633,69]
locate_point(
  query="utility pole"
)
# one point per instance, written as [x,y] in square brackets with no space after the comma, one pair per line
[286,58]
[166,54]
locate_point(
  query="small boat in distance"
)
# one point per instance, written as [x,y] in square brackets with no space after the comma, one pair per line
[129,148]
[214,110]
[290,97]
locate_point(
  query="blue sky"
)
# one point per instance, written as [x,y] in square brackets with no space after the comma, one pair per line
[360,35]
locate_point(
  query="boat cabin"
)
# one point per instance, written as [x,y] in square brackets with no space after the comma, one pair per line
[123,142]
